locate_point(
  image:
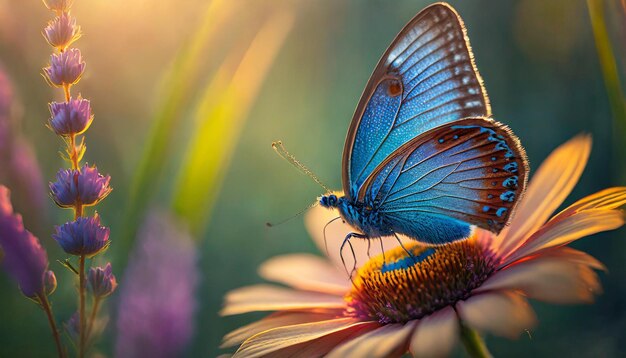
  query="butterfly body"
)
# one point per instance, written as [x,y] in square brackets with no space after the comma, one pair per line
[423,157]
[364,216]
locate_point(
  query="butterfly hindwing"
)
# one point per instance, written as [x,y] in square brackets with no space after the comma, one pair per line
[425,79]
[472,171]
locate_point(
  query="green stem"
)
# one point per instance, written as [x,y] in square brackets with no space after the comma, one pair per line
[81,310]
[45,304]
[473,343]
[94,314]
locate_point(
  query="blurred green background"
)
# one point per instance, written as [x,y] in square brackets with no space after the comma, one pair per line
[538,59]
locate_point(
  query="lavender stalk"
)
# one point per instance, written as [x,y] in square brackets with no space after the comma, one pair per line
[75,188]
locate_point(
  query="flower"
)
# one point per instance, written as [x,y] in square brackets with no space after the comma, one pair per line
[157,296]
[72,117]
[65,68]
[84,236]
[101,281]
[419,298]
[58,5]
[24,259]
[62,31]
[85,187]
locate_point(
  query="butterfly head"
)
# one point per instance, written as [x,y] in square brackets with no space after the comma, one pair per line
[329,201]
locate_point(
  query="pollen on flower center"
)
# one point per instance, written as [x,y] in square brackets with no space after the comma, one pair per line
[399,287]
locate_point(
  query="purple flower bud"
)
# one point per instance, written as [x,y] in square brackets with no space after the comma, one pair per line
[65,68]
[86,187]
[58,5]
[62,31]
[101,281]
[73,117]
[49,282]
[84,236]
[24,258]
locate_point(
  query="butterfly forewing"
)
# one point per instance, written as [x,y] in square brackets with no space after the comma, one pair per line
[471,171]
[425,79]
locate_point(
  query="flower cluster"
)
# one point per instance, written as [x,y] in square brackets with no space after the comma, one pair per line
[77,187]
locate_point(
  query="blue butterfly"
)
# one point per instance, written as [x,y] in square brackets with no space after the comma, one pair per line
[422,156]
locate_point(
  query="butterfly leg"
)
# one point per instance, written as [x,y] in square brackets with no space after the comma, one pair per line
[404,248]
[347,241]
[325,226]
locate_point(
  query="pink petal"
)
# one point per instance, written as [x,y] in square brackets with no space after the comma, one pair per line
[273,298]
[550,185]
[503,314]
[574,256]
[436,335]
[552,279]
[273,340]
[307,272]
[317,218]
[278,319]
[563,231]
[321,346]
[386,341]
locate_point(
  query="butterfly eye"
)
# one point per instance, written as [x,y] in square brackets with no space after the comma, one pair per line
[395,88]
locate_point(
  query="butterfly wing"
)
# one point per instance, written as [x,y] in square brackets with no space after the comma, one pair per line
[472,171]
[426,78]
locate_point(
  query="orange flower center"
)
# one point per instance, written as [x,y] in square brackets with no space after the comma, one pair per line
[403,285]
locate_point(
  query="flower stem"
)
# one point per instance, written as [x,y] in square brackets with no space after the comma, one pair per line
[45,304]
[72,151]
[473,343]
[81,310]
[66,91]
[94,313]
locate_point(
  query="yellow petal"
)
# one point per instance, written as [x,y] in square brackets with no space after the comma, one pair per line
[385,341]
[273,298]
[550,185]
[307,272]
[501,313]
[436,335]
[611,198]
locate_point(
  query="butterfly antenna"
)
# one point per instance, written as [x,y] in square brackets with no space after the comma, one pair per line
[269,224]
[279,148]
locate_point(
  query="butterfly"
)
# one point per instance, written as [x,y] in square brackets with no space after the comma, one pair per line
[423,158]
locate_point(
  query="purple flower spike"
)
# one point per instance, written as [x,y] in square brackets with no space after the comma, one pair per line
[65,68]
[62,31]
[157,296]
[73,117]
[101,281]
[24,258]
[86,187]
[84,236]
[58,5]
